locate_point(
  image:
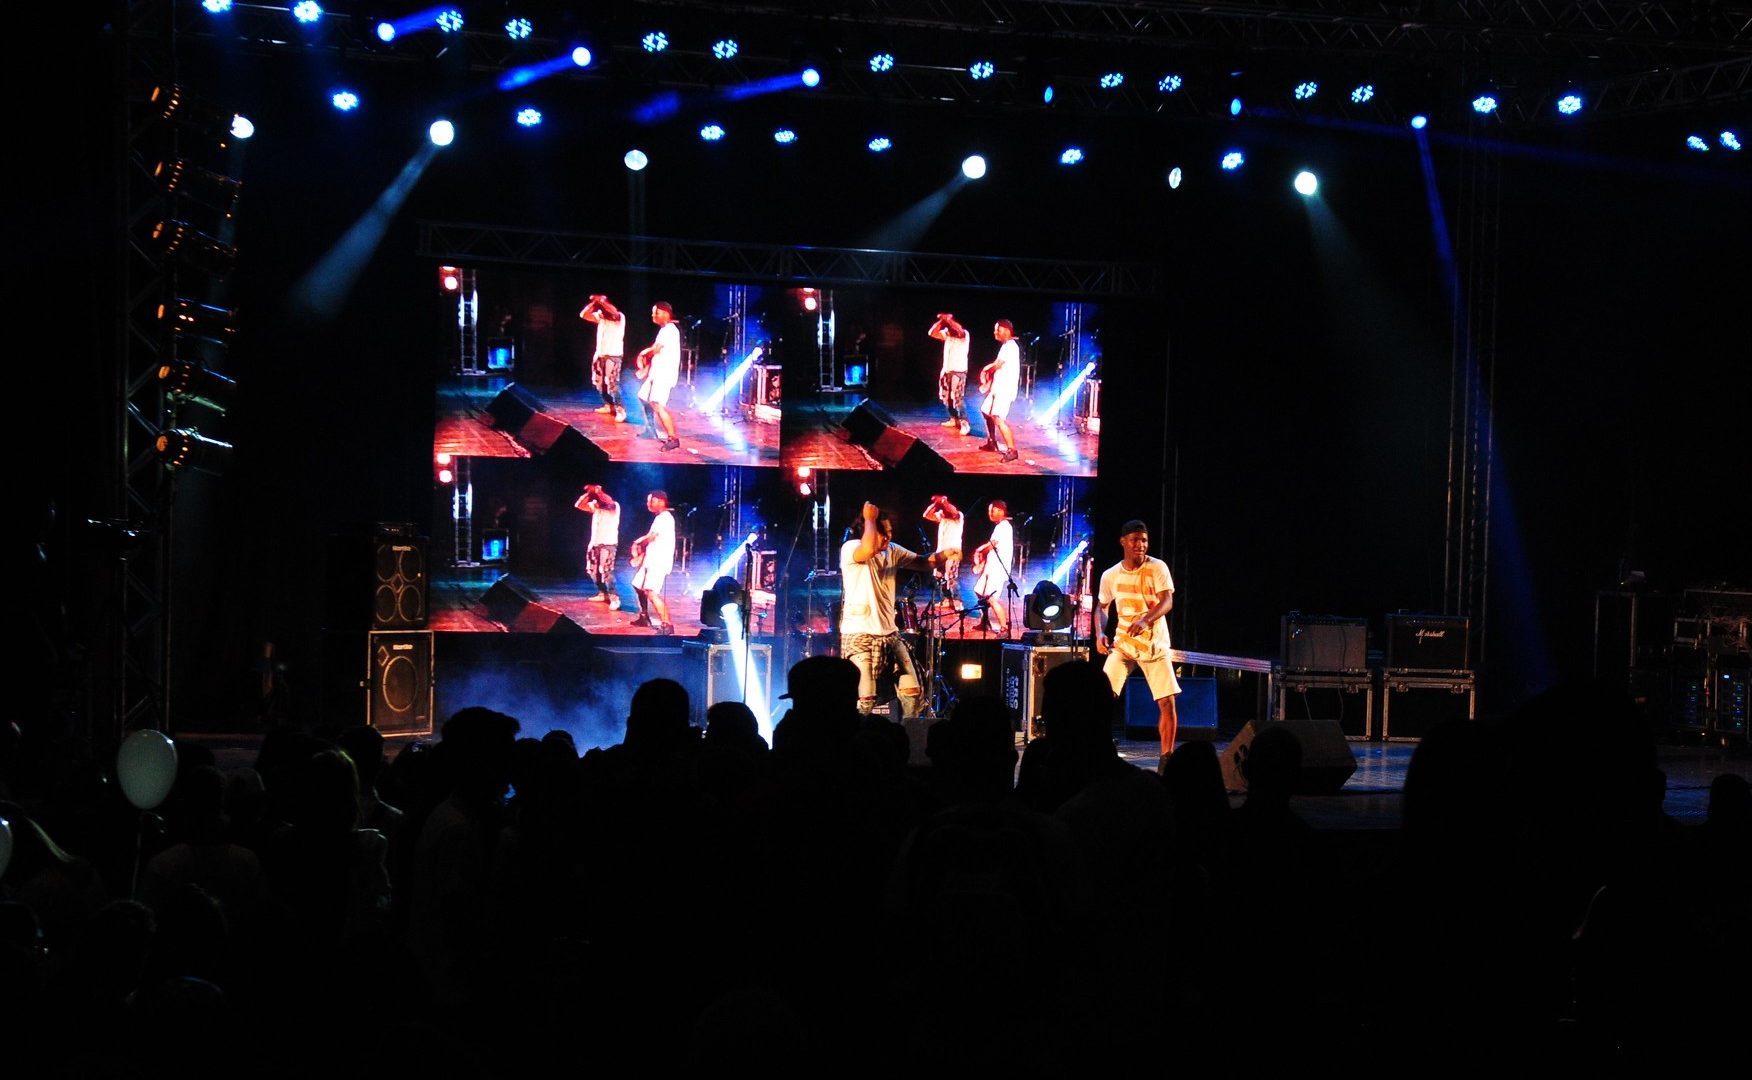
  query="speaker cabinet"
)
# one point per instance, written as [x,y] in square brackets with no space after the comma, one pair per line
[1323,643]
[382,678]
[514,606]
[1427,642]
[377,580]
[1327,761]
[870,427]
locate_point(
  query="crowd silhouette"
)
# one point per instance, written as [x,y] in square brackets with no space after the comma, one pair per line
[492,903]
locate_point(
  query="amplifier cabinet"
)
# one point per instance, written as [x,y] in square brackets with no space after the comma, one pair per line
[1423,702]
[1330,643]
[1428,642]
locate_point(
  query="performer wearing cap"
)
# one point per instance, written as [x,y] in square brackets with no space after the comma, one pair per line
[1001,380]
[659,364]
[952,380]
[654,554]
[605,364]
[1143,590]
[995,563]
[869,637]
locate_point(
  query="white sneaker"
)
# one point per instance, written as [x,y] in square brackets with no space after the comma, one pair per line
[966,427]
[614,603]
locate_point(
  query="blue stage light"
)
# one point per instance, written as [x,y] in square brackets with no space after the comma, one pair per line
[725,48]
[1065,564]
[712,132]
[442,133]
[1484,104]
[1307,183]
[731,382]
[1419,121]
[811,77]
[1730,141]
[1046,94]
[450,21]
[1113,80]
[879,144]
[1569,104]
[1234,106]
[345,100]
[1046,415]
[1362,93]
[528,117]
[635,160]
[581,56]
[519,29]
[386,31]
[217,7]
[1168,83]
[1233,160]
[1071,156]
[1174,177]
[784,136]
[1306,90]
[242,127]
[1696,143]
[973,167]
[307,11]
[882,61]
[981,69]
[654,42]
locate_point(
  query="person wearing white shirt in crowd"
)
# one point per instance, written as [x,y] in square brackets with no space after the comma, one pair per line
[655,554]
[605,364]
[869,637]
[604,539]
[659,364]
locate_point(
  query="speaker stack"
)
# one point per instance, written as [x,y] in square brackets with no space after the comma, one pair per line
[870,427]
[378,653]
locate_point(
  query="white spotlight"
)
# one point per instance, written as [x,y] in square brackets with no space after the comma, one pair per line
[442,132]
[973,167]
[1307,183]
[636,160]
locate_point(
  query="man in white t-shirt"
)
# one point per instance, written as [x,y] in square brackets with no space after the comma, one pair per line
[952,380]
[605,364]
[869,637]
[996,559]
[1143,591]
[1004,377]
[659,364]
[655,555]
[949,521]
[604,539]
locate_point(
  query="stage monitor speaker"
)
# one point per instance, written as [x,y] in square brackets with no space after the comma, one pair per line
[870,427]
[1195,708]
[515,606]
[377,579]
[521,414]
[1327,761]
[379,677]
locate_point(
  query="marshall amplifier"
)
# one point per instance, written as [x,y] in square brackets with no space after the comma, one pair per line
[1427,642]
[1332,643]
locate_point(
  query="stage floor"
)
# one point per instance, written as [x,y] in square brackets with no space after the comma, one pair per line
[813,437]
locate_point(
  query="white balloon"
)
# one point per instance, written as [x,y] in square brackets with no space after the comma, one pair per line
[146,766]
[5,845]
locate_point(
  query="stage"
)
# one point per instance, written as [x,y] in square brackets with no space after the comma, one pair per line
[815,437]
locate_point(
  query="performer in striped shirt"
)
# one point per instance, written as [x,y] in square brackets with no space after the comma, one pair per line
[1143,591]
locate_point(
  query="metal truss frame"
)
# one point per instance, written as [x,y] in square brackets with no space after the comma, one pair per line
[467,243]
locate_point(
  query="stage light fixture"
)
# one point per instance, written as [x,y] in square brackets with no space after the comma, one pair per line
[712,132]
[973,167]
[176,105]
[1730,141]
[186,448]
[1696,143]
[217,7]
[1234,106]
[1307,183]
[442,133]
[519,29]
[242,127]
[193,319]
[724,602]
[1484,104]
[1174,178]
[857,373]
[188,180]
[1569,104]
[971,672]
[784,136]
[635,160]
[450,21]
[1048,608]
[307,11]
[1046,94]
[190,383]
[879,144]
[528,117]
[1168,83]
[386,31]
[811,77]
[1306,90]
[725,48]
[982,69]
[1233,160]
[581,56]
[1363,93]
[445,476]
[449,279]
[655,41]
[344,100]
[1072,155]
[180,240]
[1113,80]
[1419,122]
[882,61]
